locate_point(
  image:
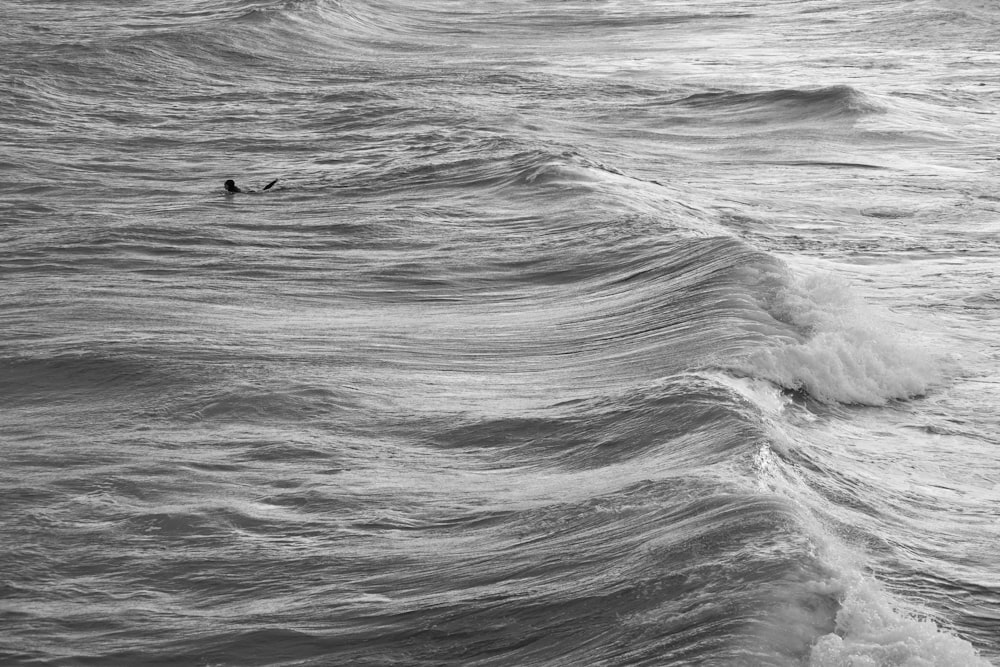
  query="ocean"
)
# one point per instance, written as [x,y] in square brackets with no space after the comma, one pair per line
[573,333]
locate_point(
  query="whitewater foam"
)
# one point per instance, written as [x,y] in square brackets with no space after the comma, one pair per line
[841,349]
[871,632]
[870,628]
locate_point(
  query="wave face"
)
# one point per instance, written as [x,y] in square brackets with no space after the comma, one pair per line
[572,333]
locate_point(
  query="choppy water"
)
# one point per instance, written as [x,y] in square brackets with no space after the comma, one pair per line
[573,333]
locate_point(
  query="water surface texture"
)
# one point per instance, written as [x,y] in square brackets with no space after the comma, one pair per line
[574,333]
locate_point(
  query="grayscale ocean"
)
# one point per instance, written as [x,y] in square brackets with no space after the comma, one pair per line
[573,333]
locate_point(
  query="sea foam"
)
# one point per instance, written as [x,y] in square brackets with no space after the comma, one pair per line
[842,349]
[870,632]
[871,626]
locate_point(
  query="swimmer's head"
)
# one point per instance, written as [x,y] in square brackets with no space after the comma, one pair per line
[230,186]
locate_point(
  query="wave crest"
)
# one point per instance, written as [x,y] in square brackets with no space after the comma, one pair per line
[785,105]
[841,349]
[871,633]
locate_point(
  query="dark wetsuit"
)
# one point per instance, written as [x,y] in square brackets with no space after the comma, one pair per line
[231,188]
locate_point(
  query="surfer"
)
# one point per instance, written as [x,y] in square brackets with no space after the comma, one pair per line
[231,188]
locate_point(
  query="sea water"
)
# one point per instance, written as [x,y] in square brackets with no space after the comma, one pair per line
[577,332]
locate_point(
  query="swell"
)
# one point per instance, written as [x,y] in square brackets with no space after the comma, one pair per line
[644,294]
[788,105]
[606,518]
[420,422]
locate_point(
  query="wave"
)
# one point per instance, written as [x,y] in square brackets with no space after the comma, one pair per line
[870,630]
[867,624]
[792,105]
[469,390]
[837,348]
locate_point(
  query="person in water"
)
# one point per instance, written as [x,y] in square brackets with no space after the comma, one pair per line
[231,188]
